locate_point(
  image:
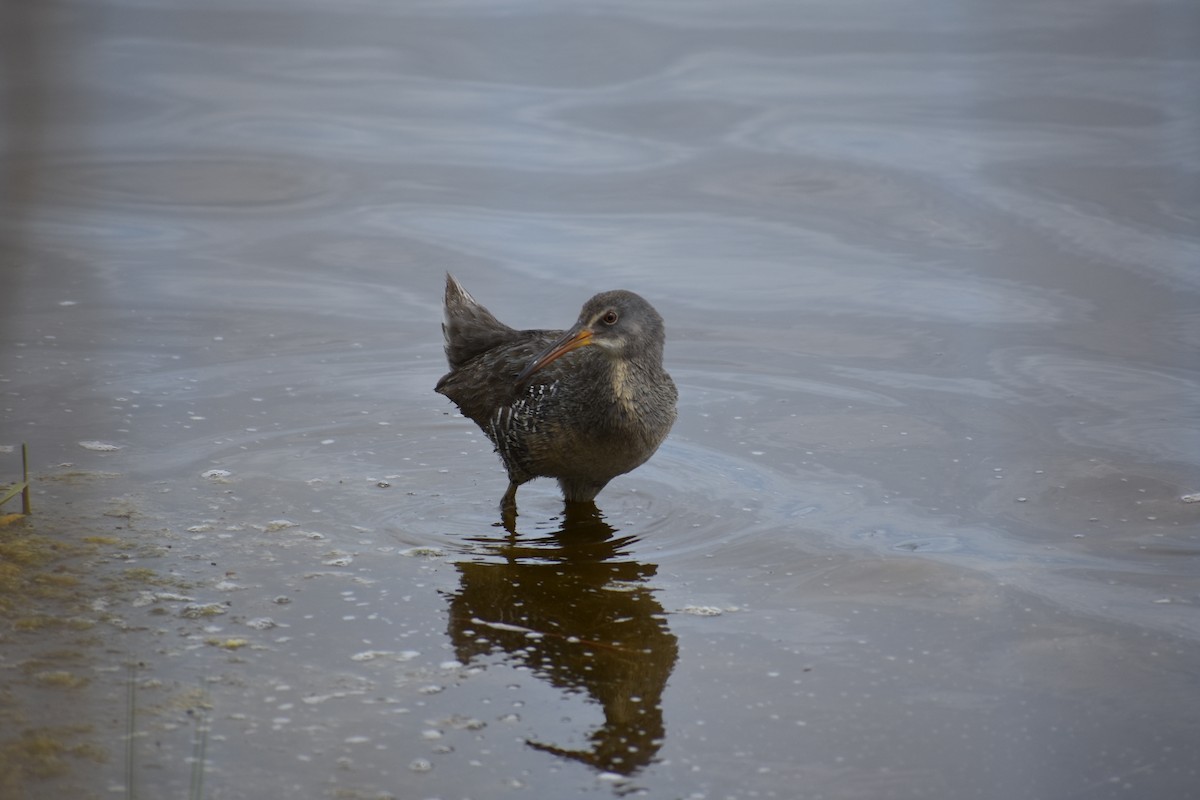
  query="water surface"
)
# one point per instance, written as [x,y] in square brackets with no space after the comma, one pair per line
[930,281]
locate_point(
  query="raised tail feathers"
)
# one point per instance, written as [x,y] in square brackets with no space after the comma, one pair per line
[468,327]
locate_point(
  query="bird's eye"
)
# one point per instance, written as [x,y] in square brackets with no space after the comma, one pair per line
[609,318]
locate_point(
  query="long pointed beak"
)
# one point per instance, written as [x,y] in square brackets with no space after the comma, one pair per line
[573,339]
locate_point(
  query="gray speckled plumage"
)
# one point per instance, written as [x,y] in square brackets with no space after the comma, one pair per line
[583,405]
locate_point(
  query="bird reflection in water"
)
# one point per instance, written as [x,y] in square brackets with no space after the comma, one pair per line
[578,613]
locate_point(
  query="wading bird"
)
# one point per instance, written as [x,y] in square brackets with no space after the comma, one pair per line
[582,405]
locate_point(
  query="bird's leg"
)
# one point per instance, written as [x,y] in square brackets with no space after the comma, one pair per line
[508,503]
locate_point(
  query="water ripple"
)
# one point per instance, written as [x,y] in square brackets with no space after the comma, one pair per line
[1145,410]
[691,257]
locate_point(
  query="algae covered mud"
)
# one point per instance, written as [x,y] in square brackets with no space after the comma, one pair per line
[53,613]
[925,527]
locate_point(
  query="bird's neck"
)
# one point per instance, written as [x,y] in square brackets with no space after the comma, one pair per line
[630,381]
[624,384]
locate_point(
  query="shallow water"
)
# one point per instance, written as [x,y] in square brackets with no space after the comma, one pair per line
[933,305]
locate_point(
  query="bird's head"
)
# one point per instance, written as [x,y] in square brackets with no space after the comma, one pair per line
[622,324]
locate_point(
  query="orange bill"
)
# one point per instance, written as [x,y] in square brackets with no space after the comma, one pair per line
[571,340]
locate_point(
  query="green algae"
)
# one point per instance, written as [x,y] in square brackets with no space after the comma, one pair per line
[227,644]
[42,753]
[60,679]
